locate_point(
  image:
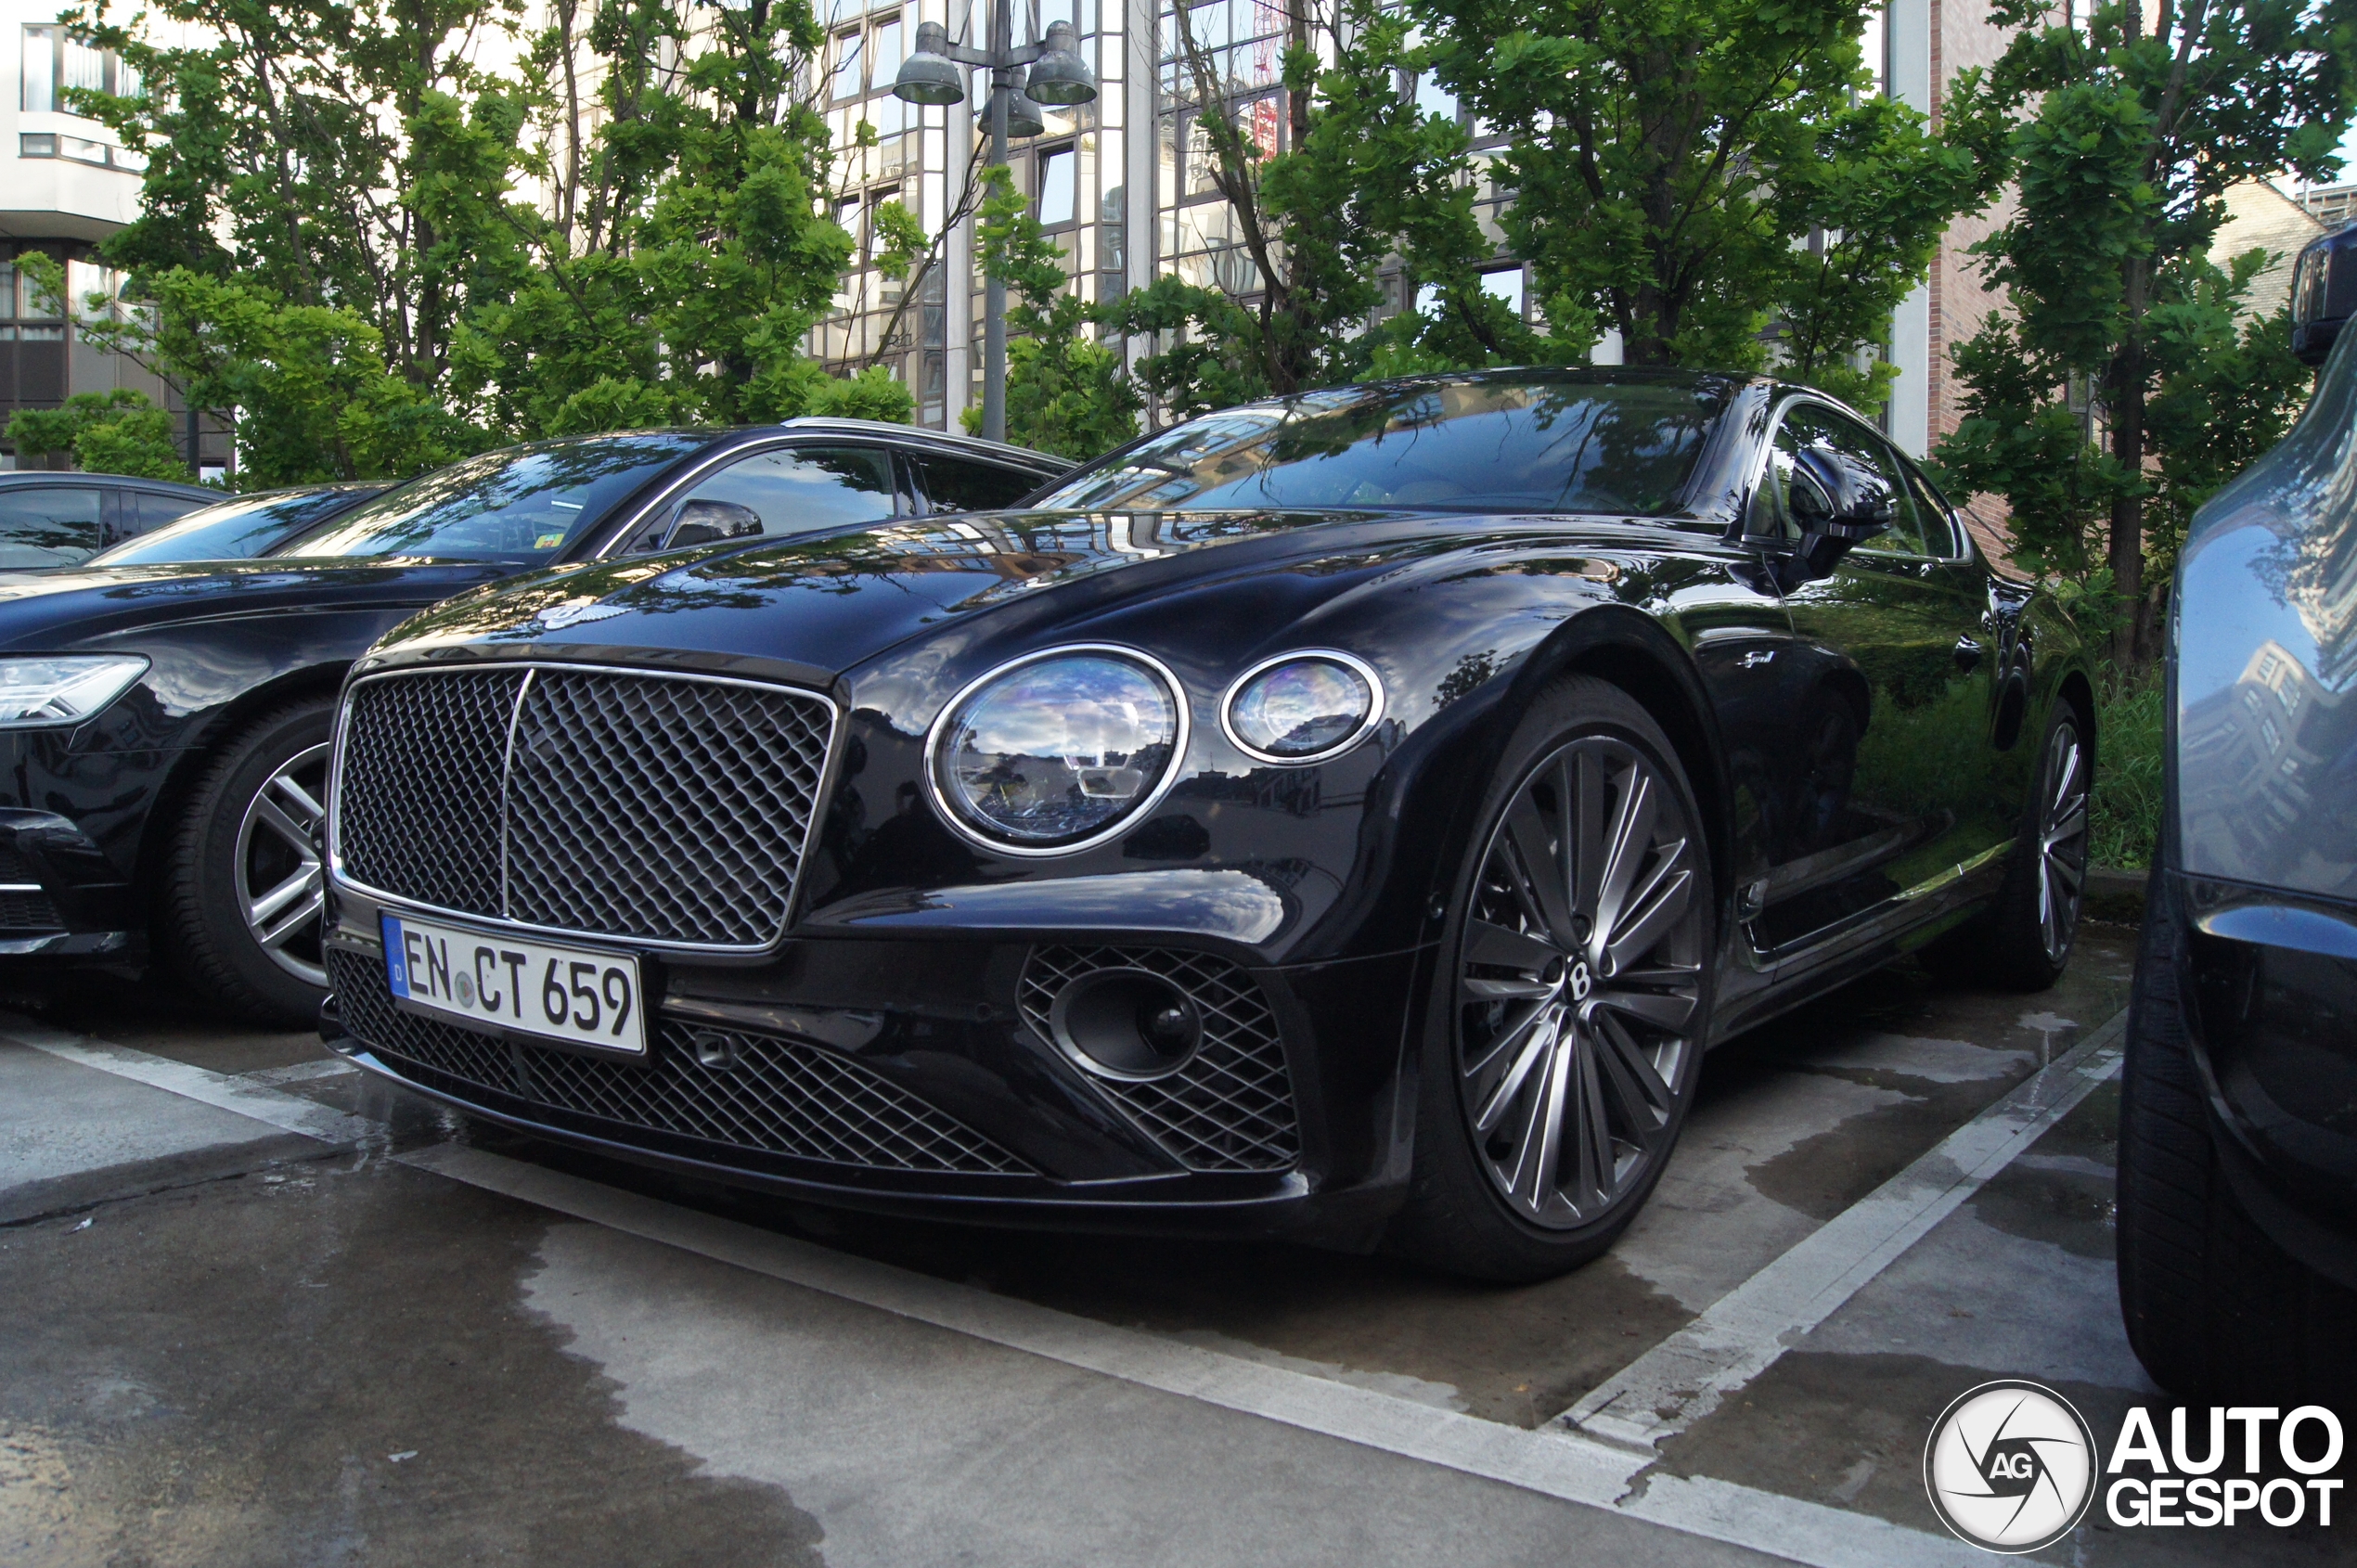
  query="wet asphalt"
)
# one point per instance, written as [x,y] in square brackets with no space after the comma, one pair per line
[226,1344]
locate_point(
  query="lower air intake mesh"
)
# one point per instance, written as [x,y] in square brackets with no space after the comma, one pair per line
[778,1097]
[1231,1107]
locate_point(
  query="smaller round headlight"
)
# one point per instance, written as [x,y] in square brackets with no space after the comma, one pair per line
[1054,753]
[1302,707]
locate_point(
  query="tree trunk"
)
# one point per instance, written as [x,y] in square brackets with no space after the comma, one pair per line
[2126,389]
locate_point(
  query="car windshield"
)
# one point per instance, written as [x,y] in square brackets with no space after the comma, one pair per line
[524,503]
[232,530]
[1473,445]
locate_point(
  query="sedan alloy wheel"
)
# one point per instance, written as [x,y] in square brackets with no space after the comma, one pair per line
[279,881]
[2062,840]
[1580,983]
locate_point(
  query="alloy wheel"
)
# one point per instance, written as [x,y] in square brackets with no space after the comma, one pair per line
[2062,840]
[280,888]
[1580,982]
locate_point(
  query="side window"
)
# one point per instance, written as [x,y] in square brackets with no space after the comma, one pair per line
[47,525]
[779,493]
[157,511]
[1872,466]
[957,485]
[1771,503]
[1940,531]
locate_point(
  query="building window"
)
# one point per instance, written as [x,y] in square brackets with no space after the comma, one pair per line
[849,48]
[1059,190]
[41,69]
[1507,286]
[55,61]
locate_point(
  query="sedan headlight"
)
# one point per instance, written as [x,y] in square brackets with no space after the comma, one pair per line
[62,689]
[1302,707]
[1055,752]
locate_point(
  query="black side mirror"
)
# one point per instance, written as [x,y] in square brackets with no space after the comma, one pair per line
[705,523]
[1837,503]
[2324,293]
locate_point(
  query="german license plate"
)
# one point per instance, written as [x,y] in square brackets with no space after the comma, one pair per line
[495,982]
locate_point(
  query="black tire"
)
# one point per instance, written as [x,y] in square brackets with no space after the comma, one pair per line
[2215,1310]
[1621,1080]
[227,841]
[2024,941]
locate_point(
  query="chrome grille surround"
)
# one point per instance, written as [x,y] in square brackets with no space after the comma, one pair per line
[780,1096]
[1230,1107]
[667,810]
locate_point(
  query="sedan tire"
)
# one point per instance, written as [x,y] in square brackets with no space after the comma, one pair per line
[243,889]
[1572,997]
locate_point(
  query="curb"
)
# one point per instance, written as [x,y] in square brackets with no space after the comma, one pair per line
[2114,894]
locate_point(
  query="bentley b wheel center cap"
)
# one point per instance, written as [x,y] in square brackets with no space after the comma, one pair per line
[1578,982]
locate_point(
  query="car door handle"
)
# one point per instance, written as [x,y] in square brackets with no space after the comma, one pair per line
[1967,654]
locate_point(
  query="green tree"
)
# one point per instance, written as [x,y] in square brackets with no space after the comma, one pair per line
[113,432]
[1067,392]
[332,237]
[1714,179]
[1366,180]
[2123,131]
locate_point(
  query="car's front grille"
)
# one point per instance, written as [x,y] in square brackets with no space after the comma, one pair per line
[654,808]
[774,1095]
[1230,1107]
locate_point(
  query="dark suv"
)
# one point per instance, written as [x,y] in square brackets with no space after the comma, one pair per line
[2238,1114]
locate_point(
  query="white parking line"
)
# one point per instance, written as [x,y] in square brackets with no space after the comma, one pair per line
[290,1113]
[1557,1463]
[1740,1335]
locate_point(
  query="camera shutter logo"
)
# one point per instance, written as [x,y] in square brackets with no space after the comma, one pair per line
[2010,1466]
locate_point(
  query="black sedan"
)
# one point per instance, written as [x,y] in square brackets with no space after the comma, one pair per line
[1349,816]
[164,726]
[2239,1115]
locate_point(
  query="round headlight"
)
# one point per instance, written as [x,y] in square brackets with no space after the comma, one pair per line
[1052,754]
[1302,707]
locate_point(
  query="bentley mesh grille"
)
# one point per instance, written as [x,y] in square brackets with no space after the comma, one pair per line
[1231,1107]
[418,804]
[645,807]
[778,1097]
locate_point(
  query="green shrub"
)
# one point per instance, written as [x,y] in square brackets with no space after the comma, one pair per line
[2126,820]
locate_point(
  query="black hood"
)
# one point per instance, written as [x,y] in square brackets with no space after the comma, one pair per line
[824,605]
[70,607]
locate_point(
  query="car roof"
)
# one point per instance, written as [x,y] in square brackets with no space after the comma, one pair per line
[21,479]
[953,441]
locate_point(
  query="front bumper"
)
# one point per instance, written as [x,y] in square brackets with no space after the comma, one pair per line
[2271,988]
[914,1074]
[61,896]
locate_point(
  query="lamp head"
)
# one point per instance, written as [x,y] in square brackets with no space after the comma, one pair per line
[1061,77]
[1024,118]
[929,75]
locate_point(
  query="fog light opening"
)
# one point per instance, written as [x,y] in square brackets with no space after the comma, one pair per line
[1127,1024]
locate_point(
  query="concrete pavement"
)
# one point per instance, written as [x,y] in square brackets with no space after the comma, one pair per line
[394,1338]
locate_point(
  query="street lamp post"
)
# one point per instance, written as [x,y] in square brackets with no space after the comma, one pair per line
[1059,76]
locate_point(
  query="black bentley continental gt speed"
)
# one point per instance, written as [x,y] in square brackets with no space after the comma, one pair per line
[164,720]
[1348,818]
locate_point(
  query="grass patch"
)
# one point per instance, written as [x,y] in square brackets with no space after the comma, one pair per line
[2125,823]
